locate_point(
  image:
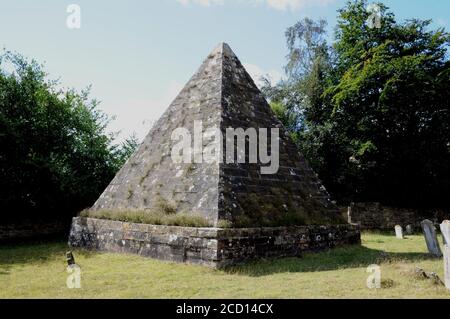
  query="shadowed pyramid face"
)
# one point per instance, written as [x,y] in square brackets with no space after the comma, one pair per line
[219,151]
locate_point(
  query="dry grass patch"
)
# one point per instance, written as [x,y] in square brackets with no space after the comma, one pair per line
[150,217]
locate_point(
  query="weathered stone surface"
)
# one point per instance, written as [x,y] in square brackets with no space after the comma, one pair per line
[446,250]
[374,216]
[429,232]
[399,232]
[445,230]
[429,275]
[209,247]
[409,230]
[221,94]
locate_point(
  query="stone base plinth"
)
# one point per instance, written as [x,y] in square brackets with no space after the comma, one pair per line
[214,247]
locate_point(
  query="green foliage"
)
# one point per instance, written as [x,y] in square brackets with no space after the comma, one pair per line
[289,118]
[123,152]
[372,110]
[222,223]
[55,155]
[307,46]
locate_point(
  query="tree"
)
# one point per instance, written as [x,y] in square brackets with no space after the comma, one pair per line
[55,157]
[124,151]
[375,112]
[391,104]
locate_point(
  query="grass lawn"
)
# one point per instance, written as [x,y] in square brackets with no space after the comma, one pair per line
[39,271]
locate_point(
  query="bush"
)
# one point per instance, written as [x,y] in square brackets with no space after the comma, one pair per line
[369,110]
[56,157]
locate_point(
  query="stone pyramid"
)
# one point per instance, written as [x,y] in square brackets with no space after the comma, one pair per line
[221,94]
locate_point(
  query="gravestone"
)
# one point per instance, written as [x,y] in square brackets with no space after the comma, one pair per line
[445,230]
[429,232]
[409,230]
[399,232]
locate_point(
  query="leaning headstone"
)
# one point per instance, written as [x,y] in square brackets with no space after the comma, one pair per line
[445,230]
[409,230]
[399,232]
[429,232]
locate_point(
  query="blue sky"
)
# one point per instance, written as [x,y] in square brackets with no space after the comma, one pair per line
[138,54]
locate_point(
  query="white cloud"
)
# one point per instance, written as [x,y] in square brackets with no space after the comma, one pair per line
[281,5]
[257,73]
[294,4]
[205,3]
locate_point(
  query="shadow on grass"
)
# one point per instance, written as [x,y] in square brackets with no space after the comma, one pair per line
[36,253]
[339,258]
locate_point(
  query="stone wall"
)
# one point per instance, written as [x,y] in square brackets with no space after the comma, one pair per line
[376,216]
[32,230]
[212,247]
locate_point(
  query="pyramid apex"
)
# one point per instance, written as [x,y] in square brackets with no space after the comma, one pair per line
[223,49]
